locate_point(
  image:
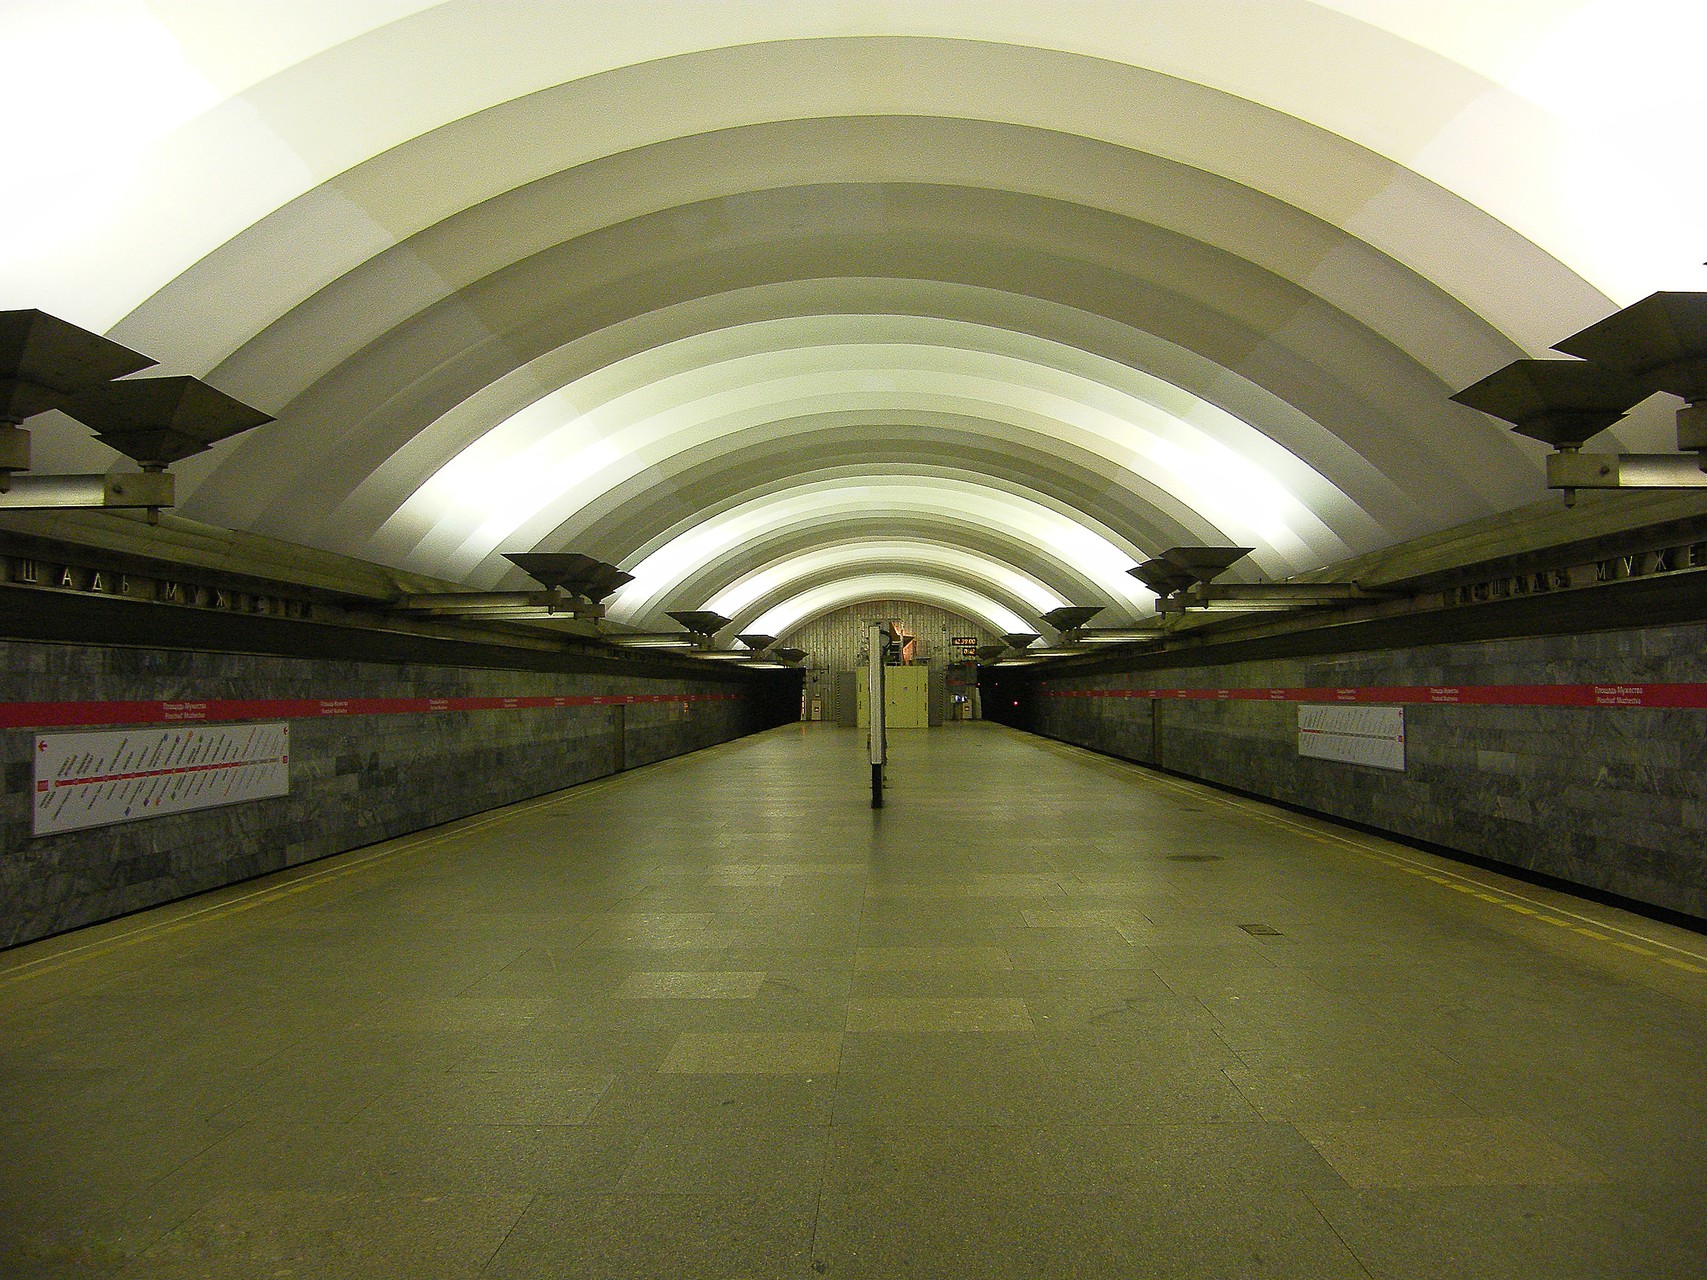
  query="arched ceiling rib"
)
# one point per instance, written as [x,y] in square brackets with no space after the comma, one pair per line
[669,284]
[757,594]
[1141,437]
[1072,562]
[1390,434]
[779,558]
[911,451]
[319,117]
[814,602]
[1099,554]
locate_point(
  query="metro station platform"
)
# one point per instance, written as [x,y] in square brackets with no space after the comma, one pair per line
[1045,1015]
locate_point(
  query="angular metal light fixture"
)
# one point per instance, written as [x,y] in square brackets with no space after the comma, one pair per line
[1178,568]
[1657,344]
[45,360]
[700,622]
[1070,620]
[1564,403]
[1189,574]
[1203,564]
[1161,577]
[579,575]
[701,625]
[752,652]
[574,588]
[1016,650]
[1559,402]
[159,421]
[44,363]
[155,422]
[1660,342]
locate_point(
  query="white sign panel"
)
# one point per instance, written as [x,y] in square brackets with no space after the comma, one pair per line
[93,779]
[1353,734]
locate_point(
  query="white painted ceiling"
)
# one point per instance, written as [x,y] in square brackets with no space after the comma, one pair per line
[786,303]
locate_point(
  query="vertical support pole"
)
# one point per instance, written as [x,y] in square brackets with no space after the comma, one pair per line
[877,638]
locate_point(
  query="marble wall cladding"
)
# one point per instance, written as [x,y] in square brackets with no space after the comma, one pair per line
[1613,799]
[354,780]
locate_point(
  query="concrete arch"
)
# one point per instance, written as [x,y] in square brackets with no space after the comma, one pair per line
[1380,435]
[1100,555]
[781,577]
[1109,270]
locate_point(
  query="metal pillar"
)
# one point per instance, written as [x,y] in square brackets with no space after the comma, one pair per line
[877,639]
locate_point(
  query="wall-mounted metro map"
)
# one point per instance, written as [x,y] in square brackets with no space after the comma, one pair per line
[93,779]
[1353,734]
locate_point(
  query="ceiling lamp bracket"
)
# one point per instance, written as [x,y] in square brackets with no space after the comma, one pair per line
[1571,469]
[14,452]
[1657,344]
[48,363]
[1262,597]
[515,605]
[146,489]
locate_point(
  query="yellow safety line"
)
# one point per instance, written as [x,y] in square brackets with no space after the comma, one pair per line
[1468,884]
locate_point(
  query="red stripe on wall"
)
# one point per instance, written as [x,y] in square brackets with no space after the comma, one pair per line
[45,715]
[1690,696]
[180,771]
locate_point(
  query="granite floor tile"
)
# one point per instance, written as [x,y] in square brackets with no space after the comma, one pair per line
[496,1097]
[1003,1161]
[642,1100]
[377,1152]
[310,1233]
[1445,1151]
[905,958]
[655,1237]
[755,1053]
[937,1013]
[780,1165]
[1506,1233]
[703,985]
[870,1232]
[621,1035]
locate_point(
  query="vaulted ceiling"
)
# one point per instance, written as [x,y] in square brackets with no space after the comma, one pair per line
[784,304]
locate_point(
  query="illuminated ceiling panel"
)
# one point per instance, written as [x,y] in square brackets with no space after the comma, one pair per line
[1005,295]
[1136,433]
[784,617]
[780,580]
[977,517]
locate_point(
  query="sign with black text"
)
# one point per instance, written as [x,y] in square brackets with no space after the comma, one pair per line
[95,779]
